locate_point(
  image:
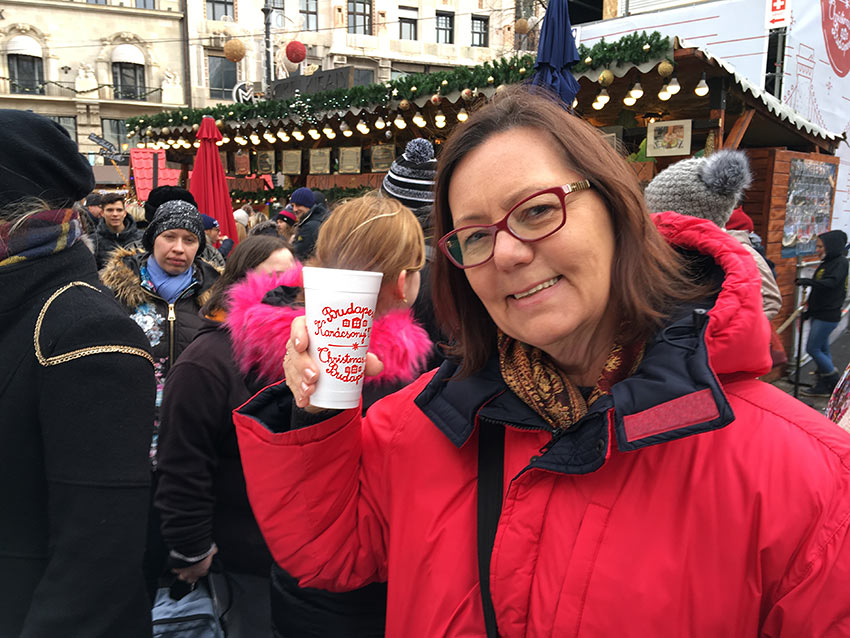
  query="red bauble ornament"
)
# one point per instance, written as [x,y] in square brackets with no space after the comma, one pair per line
[296,52]
[436,99]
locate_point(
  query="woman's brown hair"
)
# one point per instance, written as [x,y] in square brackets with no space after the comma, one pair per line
[648,277]
[245,256]
[374,233]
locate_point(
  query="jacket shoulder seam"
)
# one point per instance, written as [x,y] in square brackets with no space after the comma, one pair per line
[841,457]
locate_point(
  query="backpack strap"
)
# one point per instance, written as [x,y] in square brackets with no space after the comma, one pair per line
[82,352]
[491,470]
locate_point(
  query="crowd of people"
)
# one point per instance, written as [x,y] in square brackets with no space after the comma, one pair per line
[562,430]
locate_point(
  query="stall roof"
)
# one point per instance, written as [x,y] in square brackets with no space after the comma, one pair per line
[693,60]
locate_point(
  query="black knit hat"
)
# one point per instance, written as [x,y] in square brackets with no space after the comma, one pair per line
[175,214]
[161,194]
[411,176]
[39,159]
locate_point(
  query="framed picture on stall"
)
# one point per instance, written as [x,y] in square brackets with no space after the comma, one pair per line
[382,157]
[672,137]
[320,161]
[292,162]
[266,162]
[349,159]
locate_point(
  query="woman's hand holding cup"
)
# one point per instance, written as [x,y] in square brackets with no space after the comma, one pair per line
[301,372]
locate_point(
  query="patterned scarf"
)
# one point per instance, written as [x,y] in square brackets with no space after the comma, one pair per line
[38,235]
[533,376]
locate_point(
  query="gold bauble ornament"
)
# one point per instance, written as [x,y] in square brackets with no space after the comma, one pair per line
[665,69]
[606,78]
[234,50]
[130,134]
[195,126]
[444,83]
[521,26]
[404,105]
[490,80]
[522,70]
[165,130]
[219,123]
[413,89]
[149,131]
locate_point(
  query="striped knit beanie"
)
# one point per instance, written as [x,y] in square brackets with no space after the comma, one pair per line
[411,176]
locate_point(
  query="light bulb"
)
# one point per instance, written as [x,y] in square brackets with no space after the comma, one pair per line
[575,102]
[629,100]
[362,127]
[598,106]
[419,120]
[198,144]
[282,134]
[297,134]
[348,132]
[255,139]
[225,140]
[603,97]
[140,145]
[701,89]
[439,117]
[673,86]
[399,122]
[664,94]
[219,143]
[329,132]
[314,133]
[636,91]
[462,115]
[269,137]
[379,123]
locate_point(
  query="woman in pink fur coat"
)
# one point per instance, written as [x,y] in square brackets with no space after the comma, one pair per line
[368,233]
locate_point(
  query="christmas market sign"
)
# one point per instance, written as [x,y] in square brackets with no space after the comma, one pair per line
[332,79]
[835,20]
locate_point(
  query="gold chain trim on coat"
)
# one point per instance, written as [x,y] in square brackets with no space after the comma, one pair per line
[83,352]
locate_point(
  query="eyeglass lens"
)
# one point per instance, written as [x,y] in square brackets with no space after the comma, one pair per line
[529,221]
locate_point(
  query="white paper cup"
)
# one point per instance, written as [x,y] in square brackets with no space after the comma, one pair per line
[340,307]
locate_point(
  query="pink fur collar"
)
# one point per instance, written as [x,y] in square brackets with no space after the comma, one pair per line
[259,332]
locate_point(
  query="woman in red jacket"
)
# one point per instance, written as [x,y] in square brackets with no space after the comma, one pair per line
[598,459]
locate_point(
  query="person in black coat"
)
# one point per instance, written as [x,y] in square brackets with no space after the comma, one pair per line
[115,229]
[829,288]
[76,397]
[311,214]
[200,495]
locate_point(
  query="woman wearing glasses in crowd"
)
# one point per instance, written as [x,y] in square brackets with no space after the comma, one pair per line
[597,458]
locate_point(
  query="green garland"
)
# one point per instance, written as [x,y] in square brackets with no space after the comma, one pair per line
[281,194]
[627,50]
[511,70]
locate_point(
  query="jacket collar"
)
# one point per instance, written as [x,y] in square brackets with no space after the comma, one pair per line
[675,391]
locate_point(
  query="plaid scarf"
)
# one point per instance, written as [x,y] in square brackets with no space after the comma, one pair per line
[38,235]
[533,376]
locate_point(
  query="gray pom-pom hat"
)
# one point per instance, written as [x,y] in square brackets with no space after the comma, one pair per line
[411,177]
[705,187]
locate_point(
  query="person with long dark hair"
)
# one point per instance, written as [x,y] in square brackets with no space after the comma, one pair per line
[596,457]
[200,494]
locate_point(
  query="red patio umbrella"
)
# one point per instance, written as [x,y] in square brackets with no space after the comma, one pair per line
[208,185]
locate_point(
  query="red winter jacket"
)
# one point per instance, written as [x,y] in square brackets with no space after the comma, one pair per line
[695,501]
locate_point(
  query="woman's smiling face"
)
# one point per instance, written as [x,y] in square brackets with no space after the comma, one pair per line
[552,294]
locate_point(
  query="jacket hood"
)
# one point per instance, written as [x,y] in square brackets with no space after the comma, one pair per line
[130,229]
[259,331]
[676,389]
[834,242]
[122,275]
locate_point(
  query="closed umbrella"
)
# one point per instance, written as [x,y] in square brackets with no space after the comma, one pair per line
[208,185]
[556,53]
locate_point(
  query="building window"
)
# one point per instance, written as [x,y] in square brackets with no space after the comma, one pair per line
[222,77]
[115,131]
[360,16]
[146,4]
[407,19]
[69,123]
[96,1]
[480,30]
[217,9]
[445,27]
[26,74]
[363,77]
[310,15]
[128,81]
